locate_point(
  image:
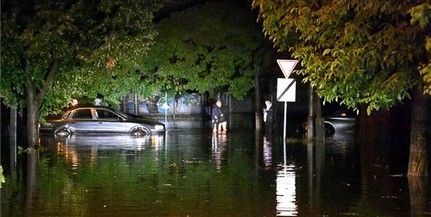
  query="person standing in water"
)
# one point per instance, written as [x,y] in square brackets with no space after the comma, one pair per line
[218,118]
[268,116]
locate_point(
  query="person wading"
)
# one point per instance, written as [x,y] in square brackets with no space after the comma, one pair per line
[218,118]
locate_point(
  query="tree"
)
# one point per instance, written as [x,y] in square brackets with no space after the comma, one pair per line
[210,46]
[53,50]
[421,15]
[359,53]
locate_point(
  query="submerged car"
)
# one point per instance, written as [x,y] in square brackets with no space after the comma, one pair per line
[340,121]
[100,120]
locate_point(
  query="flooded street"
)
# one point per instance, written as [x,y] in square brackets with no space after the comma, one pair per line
[192,172]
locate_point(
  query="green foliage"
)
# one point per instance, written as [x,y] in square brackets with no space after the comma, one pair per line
[355,52]
[75,42]
[421,14]
[2,178]
[210,46]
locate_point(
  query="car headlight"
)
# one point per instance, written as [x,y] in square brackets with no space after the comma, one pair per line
[159,127]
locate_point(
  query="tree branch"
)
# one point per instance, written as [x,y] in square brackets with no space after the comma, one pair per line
[48,82]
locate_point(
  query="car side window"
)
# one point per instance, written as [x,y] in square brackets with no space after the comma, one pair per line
[106,115]
[82,114]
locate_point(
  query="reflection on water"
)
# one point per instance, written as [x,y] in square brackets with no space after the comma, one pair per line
[286,191]
[111,142]
[192,172]
[267,151]
[218,147]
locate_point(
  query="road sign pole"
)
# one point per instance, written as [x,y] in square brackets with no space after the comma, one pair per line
[285,120]
[286,67]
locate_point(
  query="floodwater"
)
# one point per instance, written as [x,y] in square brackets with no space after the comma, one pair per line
[192,172]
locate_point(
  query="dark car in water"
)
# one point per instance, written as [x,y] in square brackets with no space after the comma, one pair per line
[99,120]
[340,121]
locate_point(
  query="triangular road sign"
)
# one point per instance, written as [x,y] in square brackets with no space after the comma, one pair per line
[287,66]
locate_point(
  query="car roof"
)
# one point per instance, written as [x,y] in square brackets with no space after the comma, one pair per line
[89,106]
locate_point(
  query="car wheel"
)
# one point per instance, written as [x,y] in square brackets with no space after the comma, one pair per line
[329,129]
[141,132]
[63,133]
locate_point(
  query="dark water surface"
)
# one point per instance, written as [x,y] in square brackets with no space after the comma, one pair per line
[192,172]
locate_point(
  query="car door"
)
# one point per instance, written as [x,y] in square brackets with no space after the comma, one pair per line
[109,122]
[82,121]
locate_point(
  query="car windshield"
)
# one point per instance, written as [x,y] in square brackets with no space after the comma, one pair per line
[66,115]
[125,115]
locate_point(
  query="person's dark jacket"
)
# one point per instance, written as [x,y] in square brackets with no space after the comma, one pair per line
[217,115]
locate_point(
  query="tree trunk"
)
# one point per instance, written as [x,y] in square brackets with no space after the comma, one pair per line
[319,121]
[257,106]
[34,98]
[310,117]
[418,162]
[31,181]
[135,103]
[1,130]
[32,115]
[13,131]
[418,189]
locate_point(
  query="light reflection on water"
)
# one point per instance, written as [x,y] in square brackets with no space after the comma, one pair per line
[218,147]
[191,171]
[286,191]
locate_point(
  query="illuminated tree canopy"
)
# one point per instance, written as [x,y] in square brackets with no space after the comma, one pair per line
[355,52]
[52,50]
[361,52]
[209,46]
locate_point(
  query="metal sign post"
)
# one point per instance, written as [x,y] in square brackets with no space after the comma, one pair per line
[285,121]
[286,88]
[286,92]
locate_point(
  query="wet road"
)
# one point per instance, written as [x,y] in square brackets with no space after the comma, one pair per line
[193,172]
